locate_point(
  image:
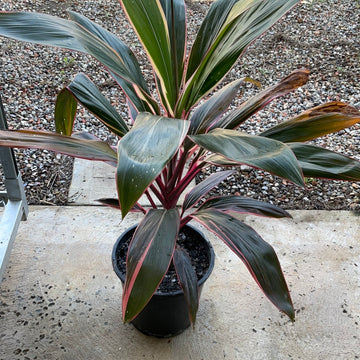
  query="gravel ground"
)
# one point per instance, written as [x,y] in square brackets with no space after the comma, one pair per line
[322,35]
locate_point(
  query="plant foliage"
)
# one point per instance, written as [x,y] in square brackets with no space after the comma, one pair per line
[174,138]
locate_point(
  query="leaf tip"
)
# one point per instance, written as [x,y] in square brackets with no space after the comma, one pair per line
[288,310]
[291,315]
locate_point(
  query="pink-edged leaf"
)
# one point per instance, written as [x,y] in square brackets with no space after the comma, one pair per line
[272,156]
[201,189]
[208,112]
[311,124]
[69,145]
[133,110]
[241,204]
[92,99]
[215,52]
[83,35]
[65,111]
[188,281]
[258,256]
[127,58]
[54,31]
[149,22]
[149,256]
[174,11]
[318,162]
[208,32]
[84,135]
[131,89]
[288,84]
[138,97]
[220,160]
[114,203]
[143,153]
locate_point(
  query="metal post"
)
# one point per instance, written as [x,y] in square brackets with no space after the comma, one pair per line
[16,208]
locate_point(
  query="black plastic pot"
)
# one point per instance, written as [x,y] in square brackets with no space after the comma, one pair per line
[166,314]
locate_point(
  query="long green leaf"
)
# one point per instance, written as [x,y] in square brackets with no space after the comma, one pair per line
[258,256]
[65,111]
[241,204]
[291,82]
[114,43]
[322,163]
[90,97]
[188,281]
[143,153]
[201,189]
[86,149]
[220,160]
[209,31]
[316,122]
[149,21]
[148,259]
[245,22]
[272,156]
[174,11]
[143,102]
[208,112]
[137,97]
[50,30]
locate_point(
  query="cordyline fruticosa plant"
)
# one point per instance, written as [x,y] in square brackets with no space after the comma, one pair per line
[173,139]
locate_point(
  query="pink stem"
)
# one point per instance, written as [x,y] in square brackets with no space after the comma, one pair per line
[141,208]
[185,220]
[164,175]
[172,167]
[161,185]
[175,194]
[150,199]
[177,172]
[158,194]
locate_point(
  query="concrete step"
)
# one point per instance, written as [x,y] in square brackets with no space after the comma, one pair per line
[60,298]
[94,180]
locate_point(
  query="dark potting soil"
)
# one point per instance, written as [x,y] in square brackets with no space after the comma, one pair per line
[191,242]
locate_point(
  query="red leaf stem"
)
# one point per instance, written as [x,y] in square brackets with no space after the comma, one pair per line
[176,176]
[152,203]
[181,186]
[185,220]
[158,194]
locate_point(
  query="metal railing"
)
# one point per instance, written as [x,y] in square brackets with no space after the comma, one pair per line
[13,198]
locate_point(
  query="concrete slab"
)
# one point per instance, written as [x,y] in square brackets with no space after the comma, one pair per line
[91,180]
[61,300]
[94,180]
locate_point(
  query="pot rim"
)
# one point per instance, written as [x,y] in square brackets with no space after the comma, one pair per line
[170,293]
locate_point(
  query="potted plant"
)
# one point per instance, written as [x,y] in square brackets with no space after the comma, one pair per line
[178,130]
